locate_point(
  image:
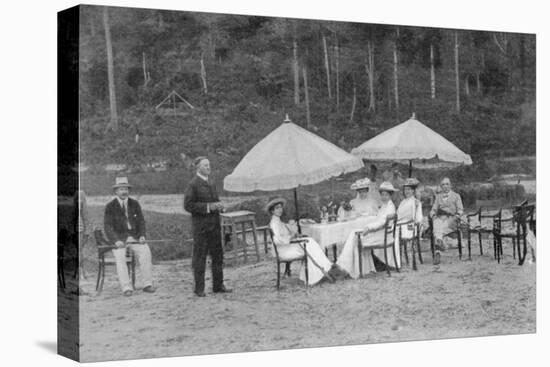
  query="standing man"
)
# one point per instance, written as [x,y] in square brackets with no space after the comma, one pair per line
[125,228]
[202,201]
[446,209]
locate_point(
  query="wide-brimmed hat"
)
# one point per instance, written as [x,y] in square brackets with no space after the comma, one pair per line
[386,186]
[273,202]
[362,183]
[121,182]
[411,182]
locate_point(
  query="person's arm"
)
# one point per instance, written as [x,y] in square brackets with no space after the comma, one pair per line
[140,221]
[108,227]
[419,216]
[191,204]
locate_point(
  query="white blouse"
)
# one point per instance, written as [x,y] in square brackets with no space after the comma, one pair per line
[383,213]
[281,233]
[410,209]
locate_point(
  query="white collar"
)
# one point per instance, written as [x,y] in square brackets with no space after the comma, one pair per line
[203,177]
[120,201]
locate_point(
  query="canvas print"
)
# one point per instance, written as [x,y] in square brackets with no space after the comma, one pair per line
[234,183]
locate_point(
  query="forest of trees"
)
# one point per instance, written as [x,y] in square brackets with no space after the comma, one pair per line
[346,81]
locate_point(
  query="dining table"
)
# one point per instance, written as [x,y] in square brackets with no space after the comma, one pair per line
[334,234]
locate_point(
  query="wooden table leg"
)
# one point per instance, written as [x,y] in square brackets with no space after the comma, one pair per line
[254,235]
[245,244]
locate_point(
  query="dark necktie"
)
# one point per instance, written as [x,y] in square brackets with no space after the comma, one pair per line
[125,209]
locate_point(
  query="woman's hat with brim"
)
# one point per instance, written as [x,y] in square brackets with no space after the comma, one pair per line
[121,182]
[386,186]
[273,202]
[361,184]
[411,182]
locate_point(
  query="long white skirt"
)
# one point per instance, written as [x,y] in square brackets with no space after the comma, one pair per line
[349,257]
[295,250]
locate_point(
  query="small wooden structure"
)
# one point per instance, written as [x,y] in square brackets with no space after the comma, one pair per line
[173,101]
[230,221]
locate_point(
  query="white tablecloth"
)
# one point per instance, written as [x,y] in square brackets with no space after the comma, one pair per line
[335,233]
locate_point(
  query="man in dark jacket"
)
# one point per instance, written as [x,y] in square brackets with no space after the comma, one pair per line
[202,201]
[125,228]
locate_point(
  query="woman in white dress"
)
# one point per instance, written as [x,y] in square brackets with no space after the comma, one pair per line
[409,209]
[318,264]
[372,234]
[367,200]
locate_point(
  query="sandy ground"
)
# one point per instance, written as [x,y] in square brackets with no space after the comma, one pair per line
[455,299]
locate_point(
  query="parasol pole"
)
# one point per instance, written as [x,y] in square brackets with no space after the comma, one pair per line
[410,167]
[297,211]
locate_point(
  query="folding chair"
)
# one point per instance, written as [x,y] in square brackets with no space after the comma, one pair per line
[103,248]
[389,241]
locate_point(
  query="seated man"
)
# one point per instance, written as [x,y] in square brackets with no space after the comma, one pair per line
[446,209]
[125,227]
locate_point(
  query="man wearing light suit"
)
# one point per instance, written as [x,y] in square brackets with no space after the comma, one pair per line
[125,228]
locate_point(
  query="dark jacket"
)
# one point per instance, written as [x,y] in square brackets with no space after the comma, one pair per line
[115,225]
[196,197]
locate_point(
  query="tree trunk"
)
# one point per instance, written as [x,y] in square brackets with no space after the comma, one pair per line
[369,67]
[337,58]
[327,66]
[296,69]
[457,77]
[396,76]
[306,93]
[353,103]
[145,72]
[92,26]
[203,76]
[113,125]
[432,71]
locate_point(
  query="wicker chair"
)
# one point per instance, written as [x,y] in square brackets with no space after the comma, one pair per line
[478,228]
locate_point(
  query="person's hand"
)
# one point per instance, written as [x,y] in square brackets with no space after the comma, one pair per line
[119,244]
[142,239]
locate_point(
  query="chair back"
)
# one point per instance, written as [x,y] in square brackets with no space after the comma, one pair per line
[274,246]
[389,227]
[407,224]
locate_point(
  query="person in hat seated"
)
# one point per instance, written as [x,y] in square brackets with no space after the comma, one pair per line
[365,203]
[372,234]
[318,264]
[447,208]
[409,209]
[124,226]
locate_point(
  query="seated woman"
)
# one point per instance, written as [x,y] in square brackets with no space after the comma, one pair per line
[318,264]
[368,198]
[372,234]
[409,209]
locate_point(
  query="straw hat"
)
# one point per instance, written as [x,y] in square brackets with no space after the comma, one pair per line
[273,202]
[386,186]
[361,184]
[121,182]
[411,182]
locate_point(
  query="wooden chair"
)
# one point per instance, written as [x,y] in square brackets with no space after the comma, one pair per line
[103,248]
[288,261]
[478,228]
[522,216]
[456,232]
[415,240]
[389,241]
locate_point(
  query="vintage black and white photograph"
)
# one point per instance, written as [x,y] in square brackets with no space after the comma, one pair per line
[240,183]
